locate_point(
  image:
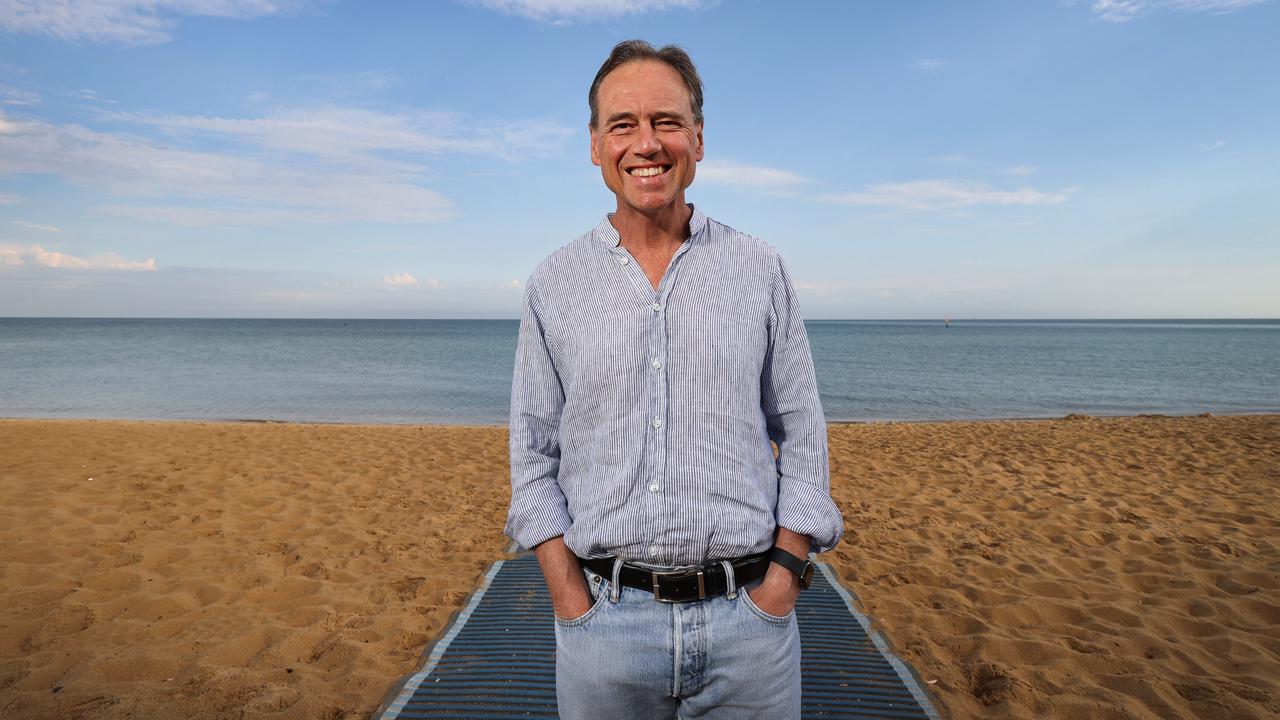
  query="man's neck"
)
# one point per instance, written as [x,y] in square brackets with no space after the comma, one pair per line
[662,230]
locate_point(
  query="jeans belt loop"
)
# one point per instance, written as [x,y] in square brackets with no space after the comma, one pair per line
[732,590]
[615,590]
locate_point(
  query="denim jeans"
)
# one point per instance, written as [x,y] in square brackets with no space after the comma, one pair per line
[631,656]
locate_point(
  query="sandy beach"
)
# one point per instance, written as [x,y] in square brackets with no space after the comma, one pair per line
[1076,568]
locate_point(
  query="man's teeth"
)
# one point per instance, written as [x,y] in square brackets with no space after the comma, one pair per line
[648,171]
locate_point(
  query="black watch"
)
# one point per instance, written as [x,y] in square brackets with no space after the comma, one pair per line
[802,568]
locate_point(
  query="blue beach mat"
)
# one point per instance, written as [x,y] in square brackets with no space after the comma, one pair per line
[496,660]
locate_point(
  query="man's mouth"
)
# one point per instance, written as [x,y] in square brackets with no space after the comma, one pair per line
[650,171]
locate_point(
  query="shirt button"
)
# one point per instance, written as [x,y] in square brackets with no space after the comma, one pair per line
[653,550]
[657,364]
[653,487]
[623,261]
[657,422]
[657,307]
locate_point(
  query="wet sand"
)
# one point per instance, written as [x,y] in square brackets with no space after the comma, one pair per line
[1118,568]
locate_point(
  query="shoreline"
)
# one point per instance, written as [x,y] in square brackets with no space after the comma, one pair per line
[1110,567]
[503,425]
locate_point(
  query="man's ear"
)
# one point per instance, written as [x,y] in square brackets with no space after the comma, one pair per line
[592,135]
[698,155]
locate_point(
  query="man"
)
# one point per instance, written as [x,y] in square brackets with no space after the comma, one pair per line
[658,356]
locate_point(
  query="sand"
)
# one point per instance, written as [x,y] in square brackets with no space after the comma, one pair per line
[1119,568]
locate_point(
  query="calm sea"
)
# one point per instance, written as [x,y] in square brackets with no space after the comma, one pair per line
[459,371]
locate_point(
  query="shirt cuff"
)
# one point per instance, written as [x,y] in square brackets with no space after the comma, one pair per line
[809,510]
[532,526]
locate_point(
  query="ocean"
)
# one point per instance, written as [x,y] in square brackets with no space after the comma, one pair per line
[459,371]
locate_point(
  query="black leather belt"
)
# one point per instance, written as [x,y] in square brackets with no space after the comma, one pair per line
[684,584]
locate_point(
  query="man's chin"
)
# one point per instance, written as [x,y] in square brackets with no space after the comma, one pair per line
[649,205]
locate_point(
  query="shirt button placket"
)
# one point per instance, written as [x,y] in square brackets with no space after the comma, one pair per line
[659,385]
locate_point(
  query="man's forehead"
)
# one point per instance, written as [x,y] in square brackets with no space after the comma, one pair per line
[648,85]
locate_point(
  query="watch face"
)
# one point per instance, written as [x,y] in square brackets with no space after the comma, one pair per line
[806,577]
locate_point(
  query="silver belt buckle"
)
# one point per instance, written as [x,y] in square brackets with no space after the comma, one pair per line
[657,588]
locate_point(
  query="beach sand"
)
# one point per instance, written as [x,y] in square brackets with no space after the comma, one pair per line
[1118,568]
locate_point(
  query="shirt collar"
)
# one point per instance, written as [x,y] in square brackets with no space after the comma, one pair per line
[608,234]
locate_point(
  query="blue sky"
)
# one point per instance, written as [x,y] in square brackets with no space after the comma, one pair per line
[276,158]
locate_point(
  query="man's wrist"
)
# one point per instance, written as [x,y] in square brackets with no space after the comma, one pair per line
[801,568]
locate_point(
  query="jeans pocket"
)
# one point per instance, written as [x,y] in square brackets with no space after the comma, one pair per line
[600,587]
[745,599]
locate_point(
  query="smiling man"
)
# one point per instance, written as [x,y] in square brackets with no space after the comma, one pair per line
[660,356]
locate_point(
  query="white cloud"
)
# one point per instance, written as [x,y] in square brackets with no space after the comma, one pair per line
[927,65]
[348,133]
[17,255]
[1118,11]
[132,22]
[403,279]
[92,96]
[944,194]
[7,198]
[1020,170]
[11,256]
[37,226]
[568,11]
[727,172]
[1215,145]
[322,166]
[10,95]
[513,285]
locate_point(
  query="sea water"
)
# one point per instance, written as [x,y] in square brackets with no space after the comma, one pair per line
[459,371]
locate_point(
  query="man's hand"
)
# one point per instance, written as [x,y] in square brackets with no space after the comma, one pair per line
[570,598]
[778,593]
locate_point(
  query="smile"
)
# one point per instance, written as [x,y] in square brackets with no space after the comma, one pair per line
[648,171]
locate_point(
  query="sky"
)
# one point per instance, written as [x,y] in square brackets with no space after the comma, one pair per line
[295,158]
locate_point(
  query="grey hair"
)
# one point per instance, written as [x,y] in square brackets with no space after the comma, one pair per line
[672,56]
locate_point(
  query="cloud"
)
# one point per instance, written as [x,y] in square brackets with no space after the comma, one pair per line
[17,255]
[1118,11]
[350,133]
[130,22]
[11,256]
[513,285]
[945,194]
[10,95]
[561,12]
[1215,145]
[325,165]
[927,65]
[92,96]
[8,198]
[1020,170]
[727,172]
[403,279]
[37,226]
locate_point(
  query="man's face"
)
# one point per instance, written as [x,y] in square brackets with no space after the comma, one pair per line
[646,142]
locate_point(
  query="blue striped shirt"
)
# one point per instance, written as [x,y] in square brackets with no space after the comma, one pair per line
[641,420]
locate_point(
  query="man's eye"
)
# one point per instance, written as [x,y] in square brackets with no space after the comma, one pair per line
[620,127]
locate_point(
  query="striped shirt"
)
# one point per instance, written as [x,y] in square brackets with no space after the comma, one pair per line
[641,420]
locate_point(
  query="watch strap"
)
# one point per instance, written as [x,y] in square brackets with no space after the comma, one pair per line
[803,568]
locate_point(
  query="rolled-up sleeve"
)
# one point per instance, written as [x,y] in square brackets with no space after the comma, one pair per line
[538,509]
[793,416]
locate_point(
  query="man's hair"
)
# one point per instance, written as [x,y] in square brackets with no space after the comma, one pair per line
[672,56]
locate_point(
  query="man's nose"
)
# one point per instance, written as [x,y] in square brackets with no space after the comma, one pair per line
[647,141]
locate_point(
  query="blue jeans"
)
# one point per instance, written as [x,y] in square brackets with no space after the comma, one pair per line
[631,656]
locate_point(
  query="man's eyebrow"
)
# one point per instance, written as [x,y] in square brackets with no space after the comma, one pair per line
[660,114]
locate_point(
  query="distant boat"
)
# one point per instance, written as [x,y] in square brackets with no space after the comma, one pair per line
[946,320]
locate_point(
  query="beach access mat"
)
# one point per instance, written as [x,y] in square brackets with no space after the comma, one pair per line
[496,660]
